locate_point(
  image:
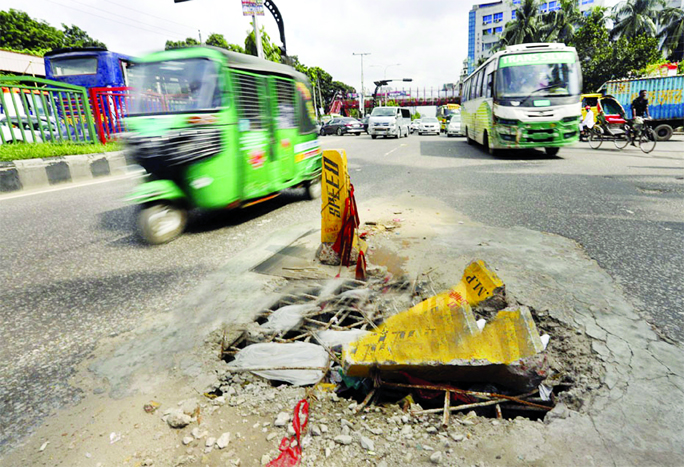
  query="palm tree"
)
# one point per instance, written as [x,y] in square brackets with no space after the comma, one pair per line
[561,25]
[635,17]
[524,28]
[671,33]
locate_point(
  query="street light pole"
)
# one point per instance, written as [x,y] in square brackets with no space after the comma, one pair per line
[384,76]
[361,103]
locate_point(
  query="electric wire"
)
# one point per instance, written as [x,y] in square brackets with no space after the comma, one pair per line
[125,17]
[153,16]
[177,34]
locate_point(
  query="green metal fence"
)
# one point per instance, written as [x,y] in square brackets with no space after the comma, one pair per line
[34,110]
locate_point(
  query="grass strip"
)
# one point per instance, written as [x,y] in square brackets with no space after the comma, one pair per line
[23,151]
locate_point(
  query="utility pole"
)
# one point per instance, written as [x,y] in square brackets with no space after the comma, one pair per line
[257,37]
[200,36]
[361,103]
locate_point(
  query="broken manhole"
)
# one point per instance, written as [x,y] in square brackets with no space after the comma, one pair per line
[301,339]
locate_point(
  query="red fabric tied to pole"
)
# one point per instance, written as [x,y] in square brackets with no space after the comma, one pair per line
[361,267]
[350,222]
[291,448]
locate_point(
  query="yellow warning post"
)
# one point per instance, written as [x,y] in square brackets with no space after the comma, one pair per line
[335,193]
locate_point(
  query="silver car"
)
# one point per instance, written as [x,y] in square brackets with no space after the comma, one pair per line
[454,126]
[415,125]
[429,125]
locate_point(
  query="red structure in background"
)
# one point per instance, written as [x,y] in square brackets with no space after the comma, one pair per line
[109,109]
[345,105]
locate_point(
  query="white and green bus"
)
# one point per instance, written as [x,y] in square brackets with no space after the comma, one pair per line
[527,96]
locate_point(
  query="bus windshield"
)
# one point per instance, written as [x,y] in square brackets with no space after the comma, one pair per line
[70,66]
[175,86]
[538,75]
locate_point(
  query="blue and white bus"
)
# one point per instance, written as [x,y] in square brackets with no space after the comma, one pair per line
[527,96]
[91,67]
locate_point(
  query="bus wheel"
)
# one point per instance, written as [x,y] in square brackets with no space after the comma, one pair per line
[551,151]
[161,222]
[468,140]
[313,188]
[488,147]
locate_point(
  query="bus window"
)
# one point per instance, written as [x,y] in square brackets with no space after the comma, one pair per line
[487,91]
[69,66]
[125,67]
[489,73]
[478,85]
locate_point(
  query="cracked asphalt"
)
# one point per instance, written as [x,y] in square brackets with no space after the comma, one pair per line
[72,271]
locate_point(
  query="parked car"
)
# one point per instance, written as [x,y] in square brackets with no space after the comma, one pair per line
[454,125]
[14,135]
[415,124]
[429,125]
[342,126]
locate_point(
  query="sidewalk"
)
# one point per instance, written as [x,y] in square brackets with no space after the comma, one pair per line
[33,174]
[631,416]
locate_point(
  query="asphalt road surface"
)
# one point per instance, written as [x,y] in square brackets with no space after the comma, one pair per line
[72,269]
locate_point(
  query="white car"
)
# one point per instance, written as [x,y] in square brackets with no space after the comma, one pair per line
[415,124]
[454,126]
[429,125]
[14,135]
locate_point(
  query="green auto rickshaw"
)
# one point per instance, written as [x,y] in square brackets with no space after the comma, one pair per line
[216,129]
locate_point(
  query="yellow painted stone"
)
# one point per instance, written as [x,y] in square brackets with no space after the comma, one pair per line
[442,331]
[335,193]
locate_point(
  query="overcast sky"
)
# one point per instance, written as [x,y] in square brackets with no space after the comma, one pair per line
[428,38]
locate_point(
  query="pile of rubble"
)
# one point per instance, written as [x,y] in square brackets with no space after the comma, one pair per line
[298,350]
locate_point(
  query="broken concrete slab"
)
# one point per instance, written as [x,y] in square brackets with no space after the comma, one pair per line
[439,339]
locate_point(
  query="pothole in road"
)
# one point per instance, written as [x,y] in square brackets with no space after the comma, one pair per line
[562,372]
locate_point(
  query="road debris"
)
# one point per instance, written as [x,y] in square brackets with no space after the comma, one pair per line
[298,363]
[291,448]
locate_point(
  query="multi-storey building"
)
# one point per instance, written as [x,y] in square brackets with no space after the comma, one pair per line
[486,22]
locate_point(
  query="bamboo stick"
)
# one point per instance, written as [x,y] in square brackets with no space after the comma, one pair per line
[447,408]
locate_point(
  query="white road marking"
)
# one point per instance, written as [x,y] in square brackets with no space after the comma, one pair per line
[70,186]
[398,147]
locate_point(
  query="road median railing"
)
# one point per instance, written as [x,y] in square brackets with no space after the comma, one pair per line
[35,110]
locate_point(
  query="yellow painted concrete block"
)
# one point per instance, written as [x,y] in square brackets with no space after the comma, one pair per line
[442,331]
[335,193]
[477,284]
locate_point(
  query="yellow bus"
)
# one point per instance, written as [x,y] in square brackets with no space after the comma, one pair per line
[443,114]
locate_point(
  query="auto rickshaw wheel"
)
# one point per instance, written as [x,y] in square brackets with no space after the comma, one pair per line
[313,188]
[161,222]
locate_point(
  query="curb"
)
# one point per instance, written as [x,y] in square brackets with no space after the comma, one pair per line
[40,173]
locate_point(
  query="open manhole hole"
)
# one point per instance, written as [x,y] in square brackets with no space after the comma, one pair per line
[348,306]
